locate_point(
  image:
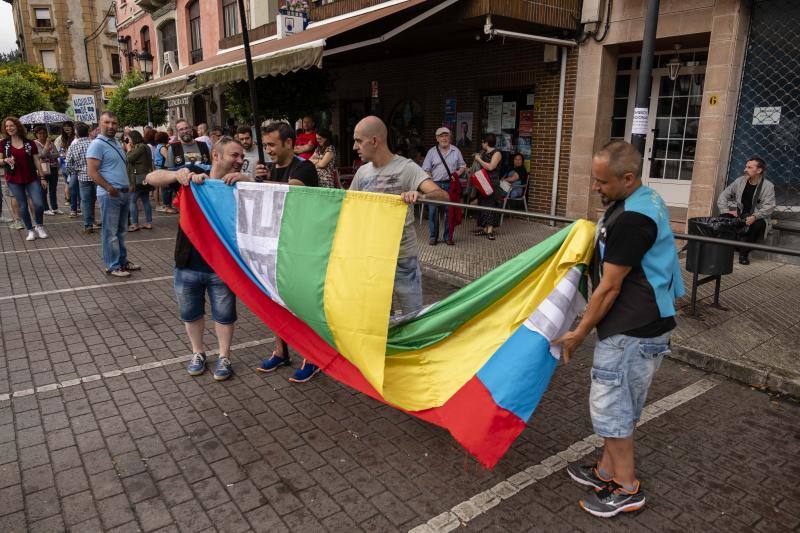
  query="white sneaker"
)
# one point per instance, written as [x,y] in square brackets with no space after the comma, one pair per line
[40,232]
[58,212]
[31,235]
[49,212]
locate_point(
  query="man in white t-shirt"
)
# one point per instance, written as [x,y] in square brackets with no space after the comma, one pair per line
[388,173]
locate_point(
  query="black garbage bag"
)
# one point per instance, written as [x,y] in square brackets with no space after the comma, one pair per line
[712,259]
[719,227]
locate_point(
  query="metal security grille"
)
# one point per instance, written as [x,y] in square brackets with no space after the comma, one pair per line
[768,114]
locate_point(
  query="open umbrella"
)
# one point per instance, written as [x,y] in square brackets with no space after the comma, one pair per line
[44,117]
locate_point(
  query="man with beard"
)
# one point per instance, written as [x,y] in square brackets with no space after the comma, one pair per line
[193,277]
[245,136]
[188,153]
[636,278]
[106,165]
[279,139]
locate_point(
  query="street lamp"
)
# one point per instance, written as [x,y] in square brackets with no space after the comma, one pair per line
[674,64]
[146,67]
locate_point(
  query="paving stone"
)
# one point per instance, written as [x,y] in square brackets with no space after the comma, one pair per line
[266,520]
[153,514]
[42,504]
[190,516]
[77,508]
[11,499]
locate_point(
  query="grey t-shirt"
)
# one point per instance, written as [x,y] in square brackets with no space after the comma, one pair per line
[398,176]
[250,161]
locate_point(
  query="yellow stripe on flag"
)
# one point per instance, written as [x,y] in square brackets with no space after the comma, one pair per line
[427,378]
[358,286]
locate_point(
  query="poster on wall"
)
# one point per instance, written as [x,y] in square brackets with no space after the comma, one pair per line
[494,111]
[509,115]
[526,123]
[449,121]
[463,131]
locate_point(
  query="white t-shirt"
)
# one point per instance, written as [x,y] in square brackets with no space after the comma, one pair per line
[396,177]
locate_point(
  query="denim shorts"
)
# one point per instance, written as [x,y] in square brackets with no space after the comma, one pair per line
[407,293]
[190,290]
[622,371]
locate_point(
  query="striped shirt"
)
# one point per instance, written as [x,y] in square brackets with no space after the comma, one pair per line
[76,158]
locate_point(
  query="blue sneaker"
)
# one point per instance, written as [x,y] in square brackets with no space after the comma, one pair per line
[197,364]
[304,373]
[273,363]
[223,370]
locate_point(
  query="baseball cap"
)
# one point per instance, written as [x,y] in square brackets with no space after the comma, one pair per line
[442,130]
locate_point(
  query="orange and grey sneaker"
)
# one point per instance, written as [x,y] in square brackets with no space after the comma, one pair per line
[612,500]
[587,475]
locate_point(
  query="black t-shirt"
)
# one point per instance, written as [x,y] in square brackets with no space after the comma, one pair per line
[748,198]
[302,170]
[631,236]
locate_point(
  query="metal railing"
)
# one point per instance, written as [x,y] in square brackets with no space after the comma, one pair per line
[565,220]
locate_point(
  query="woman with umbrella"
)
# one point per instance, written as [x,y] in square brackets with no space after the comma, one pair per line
[48,153]
[20,158]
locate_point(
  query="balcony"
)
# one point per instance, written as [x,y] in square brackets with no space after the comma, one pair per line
[151,6]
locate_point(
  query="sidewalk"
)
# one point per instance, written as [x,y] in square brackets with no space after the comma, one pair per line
[753,338]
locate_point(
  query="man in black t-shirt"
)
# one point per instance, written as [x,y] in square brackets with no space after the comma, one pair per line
[286,167]
[635,279]
[193,276]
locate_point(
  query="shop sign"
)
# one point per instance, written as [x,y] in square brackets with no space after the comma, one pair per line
[291,23]
[178,102]
[109,91]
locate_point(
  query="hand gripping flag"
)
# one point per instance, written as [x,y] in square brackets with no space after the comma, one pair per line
[317,267]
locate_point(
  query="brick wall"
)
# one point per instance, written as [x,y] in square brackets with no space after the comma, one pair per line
[467,74]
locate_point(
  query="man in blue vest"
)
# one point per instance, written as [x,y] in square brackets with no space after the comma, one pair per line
[635,278]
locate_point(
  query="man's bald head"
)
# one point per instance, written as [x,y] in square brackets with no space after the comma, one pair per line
[370,140]
[372,126]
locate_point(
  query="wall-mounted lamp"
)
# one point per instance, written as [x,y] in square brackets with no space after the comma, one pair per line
[674,64]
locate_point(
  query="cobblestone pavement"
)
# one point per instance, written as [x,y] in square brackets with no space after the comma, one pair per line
[753,337]
[105,431]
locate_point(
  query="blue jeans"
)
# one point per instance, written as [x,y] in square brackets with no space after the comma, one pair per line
[114,214]
[52,189]
[22,192]
[433,216]
[148,210]
[88,198]
[407,294]
[74,192]
[622,371]
[190,290]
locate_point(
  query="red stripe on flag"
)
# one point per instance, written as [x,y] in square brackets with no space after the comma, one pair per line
[485,429]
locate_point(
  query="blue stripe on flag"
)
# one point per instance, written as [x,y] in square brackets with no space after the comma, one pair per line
[519,371]
[218,204]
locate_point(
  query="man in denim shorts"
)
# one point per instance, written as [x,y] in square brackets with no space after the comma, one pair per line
[635,278]
[193,276]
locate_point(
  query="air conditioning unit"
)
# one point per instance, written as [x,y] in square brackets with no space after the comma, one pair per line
[170,62]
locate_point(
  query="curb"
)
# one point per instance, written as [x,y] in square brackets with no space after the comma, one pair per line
[760,377]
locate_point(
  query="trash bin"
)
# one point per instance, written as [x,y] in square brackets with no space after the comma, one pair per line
[712,259]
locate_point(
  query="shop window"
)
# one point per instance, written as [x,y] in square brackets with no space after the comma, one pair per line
[406,127]
[43,19]
[509,115]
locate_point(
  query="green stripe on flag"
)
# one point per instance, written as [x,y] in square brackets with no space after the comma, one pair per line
[449,314]
[307,230]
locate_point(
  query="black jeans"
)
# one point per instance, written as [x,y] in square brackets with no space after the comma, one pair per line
[52,190]
[752,233]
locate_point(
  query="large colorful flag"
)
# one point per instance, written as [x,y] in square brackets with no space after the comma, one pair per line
[317,267]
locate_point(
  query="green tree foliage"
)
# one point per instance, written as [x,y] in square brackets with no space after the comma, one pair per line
[133,111]
[281,97]
[50,85]
[20,96]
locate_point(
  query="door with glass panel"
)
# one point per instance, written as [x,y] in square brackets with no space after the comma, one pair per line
[674,119]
